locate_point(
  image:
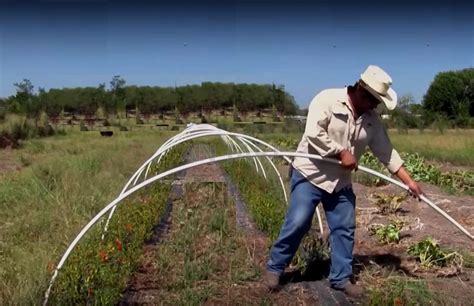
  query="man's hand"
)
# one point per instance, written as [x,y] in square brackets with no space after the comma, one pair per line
[348,160]
[415,189]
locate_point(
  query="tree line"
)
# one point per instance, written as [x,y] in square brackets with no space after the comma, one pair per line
[448,102]
[119,97]
[449,98]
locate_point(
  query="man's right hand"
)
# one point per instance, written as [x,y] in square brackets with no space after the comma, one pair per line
[348,160]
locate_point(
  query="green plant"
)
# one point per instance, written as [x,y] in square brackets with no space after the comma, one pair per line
[263,197]
[285,142]
[98,270]
[430,254]
[396,291]
[313,250]
[389,233]
[370,161]
[460,181]
[387,203]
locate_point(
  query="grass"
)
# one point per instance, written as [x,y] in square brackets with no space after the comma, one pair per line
[453,146]
[401,291]
[68,179]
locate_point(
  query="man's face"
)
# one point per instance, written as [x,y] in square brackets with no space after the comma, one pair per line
[365,100]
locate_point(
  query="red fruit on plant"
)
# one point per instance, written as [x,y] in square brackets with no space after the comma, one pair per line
[119,244]
[104,256]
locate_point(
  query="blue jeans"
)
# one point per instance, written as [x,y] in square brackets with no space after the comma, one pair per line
[340,214]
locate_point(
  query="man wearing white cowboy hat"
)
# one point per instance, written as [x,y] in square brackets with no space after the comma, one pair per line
[341,123]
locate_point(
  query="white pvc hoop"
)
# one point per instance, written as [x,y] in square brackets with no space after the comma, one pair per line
[207,130]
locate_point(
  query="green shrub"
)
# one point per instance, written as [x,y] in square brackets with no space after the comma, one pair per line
[83,127]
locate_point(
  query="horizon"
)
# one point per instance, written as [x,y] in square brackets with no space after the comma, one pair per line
[304,46]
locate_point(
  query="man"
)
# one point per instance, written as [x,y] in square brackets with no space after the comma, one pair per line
[341,123]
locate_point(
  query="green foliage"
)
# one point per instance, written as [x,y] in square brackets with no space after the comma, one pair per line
[370,161]
[98,270]
[287,143]
[430,254]
[313,251]
[451,94]
[99,101]
[399,291]
[454,181]
[389,233]
[387,203]
[83,127]
[264,198]
[19,128]
[406,115]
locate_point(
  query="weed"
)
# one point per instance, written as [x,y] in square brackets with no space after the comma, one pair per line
[397,291]
[430,254]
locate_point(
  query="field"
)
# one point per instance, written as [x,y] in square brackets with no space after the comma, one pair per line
[455,147]
[214,241]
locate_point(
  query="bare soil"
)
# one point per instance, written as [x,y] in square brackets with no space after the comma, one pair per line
[421,221]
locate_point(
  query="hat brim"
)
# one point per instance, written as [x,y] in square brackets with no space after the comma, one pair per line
[390,99]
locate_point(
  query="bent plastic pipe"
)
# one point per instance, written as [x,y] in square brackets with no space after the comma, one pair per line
[115,202]
[199,131]
[162,150]
[194,132]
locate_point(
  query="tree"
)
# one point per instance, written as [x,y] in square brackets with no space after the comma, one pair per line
[451,94]
[24,94]
[118,93]
[402,115]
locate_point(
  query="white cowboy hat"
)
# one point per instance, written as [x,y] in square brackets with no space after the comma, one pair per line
[378,83]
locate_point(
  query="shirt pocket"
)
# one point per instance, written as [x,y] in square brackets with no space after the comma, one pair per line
[338,127]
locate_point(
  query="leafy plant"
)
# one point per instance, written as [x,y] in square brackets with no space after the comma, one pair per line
[430,254]
[387,203]
[286,142]
[389,233]
[455,181]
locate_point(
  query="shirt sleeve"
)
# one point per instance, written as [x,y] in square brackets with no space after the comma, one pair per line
[383,149]
[317,125]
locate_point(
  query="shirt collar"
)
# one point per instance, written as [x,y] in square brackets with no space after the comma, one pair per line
[344,100]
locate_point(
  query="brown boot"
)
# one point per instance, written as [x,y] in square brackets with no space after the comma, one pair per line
[271,280]
[353,291]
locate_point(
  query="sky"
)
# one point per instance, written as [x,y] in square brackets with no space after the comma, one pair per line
[307,46]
